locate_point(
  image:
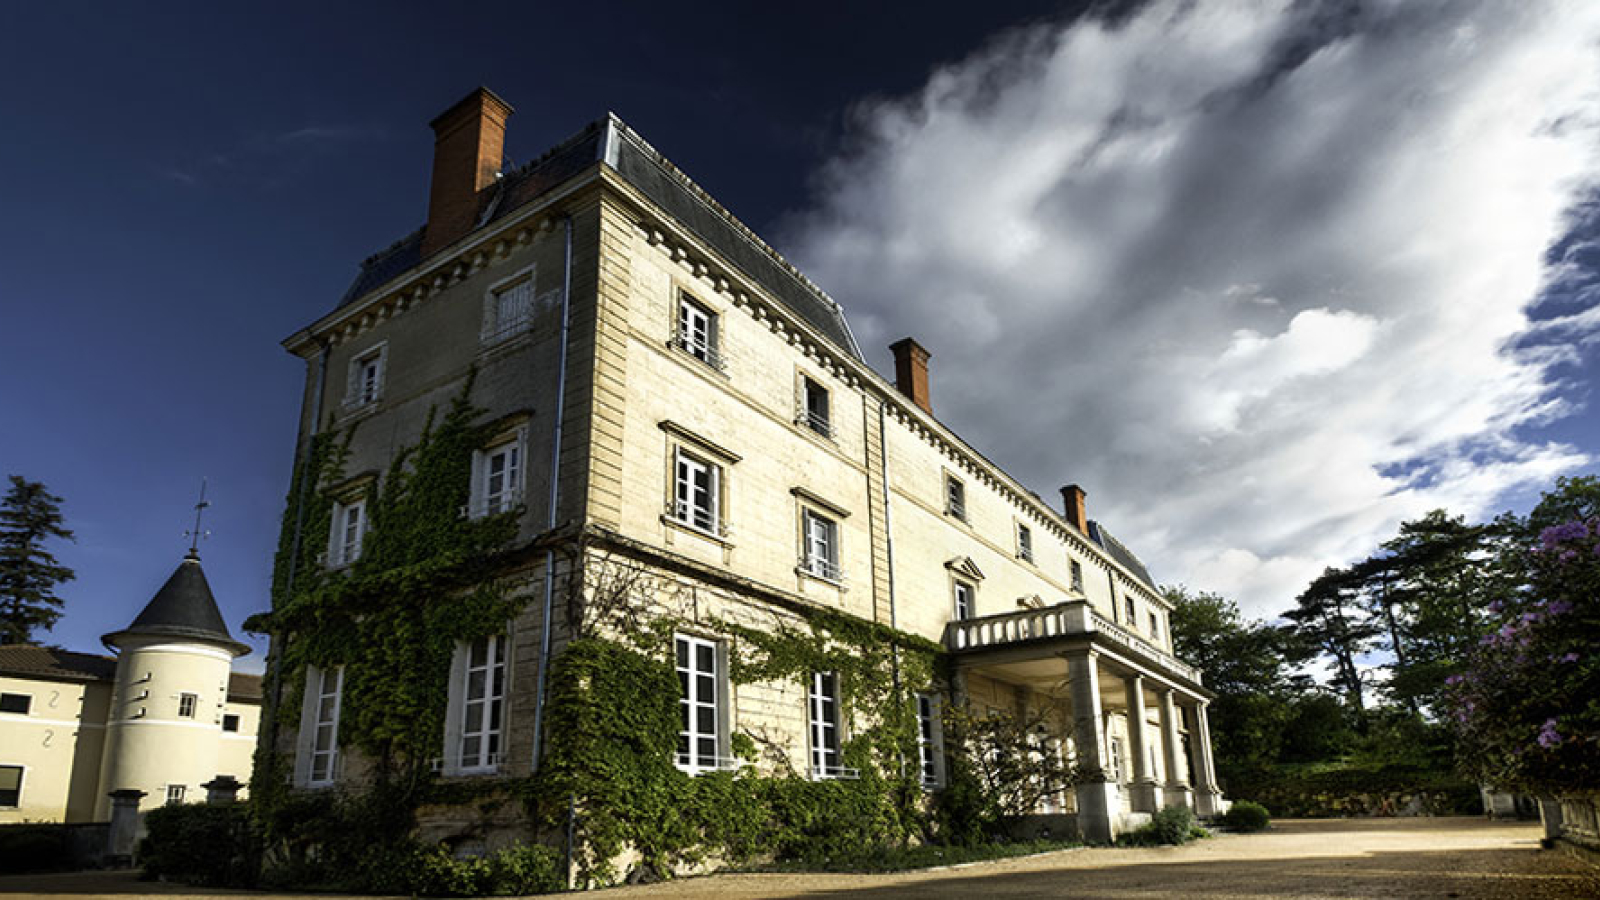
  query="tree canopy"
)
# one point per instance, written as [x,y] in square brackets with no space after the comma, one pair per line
[29,516]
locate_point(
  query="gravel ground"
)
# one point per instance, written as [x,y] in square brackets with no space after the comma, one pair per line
[1423,858]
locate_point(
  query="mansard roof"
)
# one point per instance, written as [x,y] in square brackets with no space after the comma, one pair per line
[183,608]
[611,141]
[1120,553]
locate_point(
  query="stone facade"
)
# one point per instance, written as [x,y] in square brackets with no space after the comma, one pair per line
[719,427]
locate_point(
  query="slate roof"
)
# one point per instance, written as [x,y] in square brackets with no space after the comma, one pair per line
[638,163]
[1120,553]
[55,664]
[183,608]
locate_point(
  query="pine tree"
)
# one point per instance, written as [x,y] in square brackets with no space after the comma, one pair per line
[29,573]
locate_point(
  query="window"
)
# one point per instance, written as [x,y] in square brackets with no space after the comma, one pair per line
[497,475]
[823,703]
[16,703]
[1131,610]
[822,546]
[349,526]
[1077,576]
[10,786]
[964,596]
[175,793]
[702,736]
[1024,543]
[324,691]
[696,493]
[955,497]
[186,705]
[365,385]
[483,706]
[508,308]
[230,722]
[1117,773]
[928,739]
[1155,626]
[697,332]
[814,413]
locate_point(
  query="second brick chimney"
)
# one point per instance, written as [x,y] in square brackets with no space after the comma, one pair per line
[1077,512]
[911,372]
[468,145]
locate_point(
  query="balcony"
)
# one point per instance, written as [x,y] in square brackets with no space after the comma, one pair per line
[1064,620]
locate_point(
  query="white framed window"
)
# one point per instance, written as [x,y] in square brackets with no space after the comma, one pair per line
[187,704]
[1117,757]
[175,793]
[965,596]
[825,720]
[324,698]
[480,708]
[508,307]
[1077,576]
[697,332]
[365,384]
[930,741]
[702,705]
[697,492]
[497,474]
[1130,611]
[955,497]
[821,546]
[16,703]
[1155,626]
[815,411]
[10,787]
[349,529]
[1024,543]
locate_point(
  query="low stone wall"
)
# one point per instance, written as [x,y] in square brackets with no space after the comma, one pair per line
[1574,823]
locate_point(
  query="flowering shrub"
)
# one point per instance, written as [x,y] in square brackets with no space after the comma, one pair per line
[1527,708]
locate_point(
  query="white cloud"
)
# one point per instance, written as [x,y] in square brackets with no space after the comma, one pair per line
[1250,272]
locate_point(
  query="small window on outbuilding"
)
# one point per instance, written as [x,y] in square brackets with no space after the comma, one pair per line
[230,722]
[10,787]
[16,703]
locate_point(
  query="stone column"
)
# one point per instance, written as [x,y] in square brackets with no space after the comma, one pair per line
[123,835]
[222,790]
[1207,797]
[1177,787]
[1098,803]
[1142,792]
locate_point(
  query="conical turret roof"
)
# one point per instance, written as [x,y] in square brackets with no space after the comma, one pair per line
[183,608]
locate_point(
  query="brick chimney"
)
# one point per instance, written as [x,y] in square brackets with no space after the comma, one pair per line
[1077,513]
[468,144]
[911,372]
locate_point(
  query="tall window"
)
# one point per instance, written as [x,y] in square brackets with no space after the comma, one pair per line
[1024,542]
[349,527]
[187,704]
[696,497]
[497,475]
[955,497]
[10,786]
[815,413]
[483,707]
[824,715]
[508,309]
[822,546]
[964,596]
[324,689]
[1077,576]
[1155,626]
[697,332]
[700,704]
[1117,772]
[365,385]
[928,739]
[1130,610]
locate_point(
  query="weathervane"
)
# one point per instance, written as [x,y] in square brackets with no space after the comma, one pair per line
[196,534]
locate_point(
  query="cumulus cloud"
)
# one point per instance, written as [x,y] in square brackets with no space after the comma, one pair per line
[1258,275]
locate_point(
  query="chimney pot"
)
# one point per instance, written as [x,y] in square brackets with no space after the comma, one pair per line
[911,372]
[1077,512]
[468,145]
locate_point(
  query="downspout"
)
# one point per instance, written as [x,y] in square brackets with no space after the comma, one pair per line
[275,670]
[555,494]
[888,546]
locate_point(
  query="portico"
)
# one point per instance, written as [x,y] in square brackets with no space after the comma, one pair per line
[1137,715]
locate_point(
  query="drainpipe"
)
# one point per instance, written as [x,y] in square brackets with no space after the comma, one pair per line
[888,545]
[275,669]
[555,494]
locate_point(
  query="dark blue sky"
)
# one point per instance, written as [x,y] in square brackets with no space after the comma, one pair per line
[183,186]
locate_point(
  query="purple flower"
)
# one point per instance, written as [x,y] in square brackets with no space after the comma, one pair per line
[1454,680]
[1496,605]
[1548,736]
[1570,657]
[1559,608]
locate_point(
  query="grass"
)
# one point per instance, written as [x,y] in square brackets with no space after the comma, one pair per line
[901,859]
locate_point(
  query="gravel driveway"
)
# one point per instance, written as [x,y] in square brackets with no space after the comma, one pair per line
[1465,858]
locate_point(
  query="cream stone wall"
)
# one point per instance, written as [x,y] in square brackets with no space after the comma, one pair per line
[58,743]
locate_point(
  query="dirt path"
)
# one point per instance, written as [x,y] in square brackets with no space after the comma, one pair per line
[1422,858]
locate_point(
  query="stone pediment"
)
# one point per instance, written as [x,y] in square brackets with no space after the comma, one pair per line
[965,567]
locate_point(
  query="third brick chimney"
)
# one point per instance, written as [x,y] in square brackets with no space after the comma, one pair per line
[911,372]
[1077,512]
[468,145]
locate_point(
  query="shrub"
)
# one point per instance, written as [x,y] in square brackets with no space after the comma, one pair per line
[214,846]
[1173,825]
[35,848]
[518,870]
[1246,816]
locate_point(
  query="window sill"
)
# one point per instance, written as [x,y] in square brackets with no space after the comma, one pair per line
[504,341]
[697,531]
[349,412]
[715,365]
[817,576]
